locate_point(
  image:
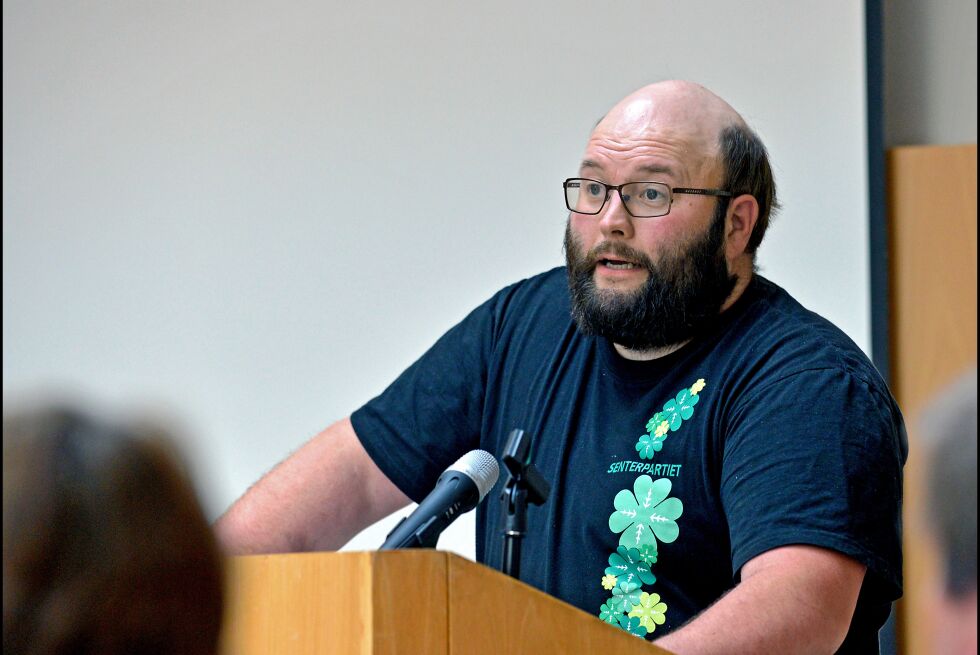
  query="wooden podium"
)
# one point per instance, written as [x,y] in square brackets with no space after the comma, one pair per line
[408,602]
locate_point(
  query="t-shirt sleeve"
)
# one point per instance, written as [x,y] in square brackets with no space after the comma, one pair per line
[431,414]
[816,458]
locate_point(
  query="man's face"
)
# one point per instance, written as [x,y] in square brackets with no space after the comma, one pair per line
[682,293]
[649,282]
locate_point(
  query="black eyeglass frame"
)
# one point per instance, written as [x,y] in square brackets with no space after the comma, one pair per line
[618,188]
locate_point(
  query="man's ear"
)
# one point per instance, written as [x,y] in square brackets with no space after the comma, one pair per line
[743,212]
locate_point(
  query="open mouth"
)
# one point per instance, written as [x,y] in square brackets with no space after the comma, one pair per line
[618,264]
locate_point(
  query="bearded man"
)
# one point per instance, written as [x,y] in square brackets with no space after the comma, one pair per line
[726,466]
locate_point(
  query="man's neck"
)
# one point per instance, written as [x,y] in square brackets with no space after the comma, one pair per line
[741,284]
[745,272]
[650,354]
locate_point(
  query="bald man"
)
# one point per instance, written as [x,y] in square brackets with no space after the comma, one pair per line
[726,466]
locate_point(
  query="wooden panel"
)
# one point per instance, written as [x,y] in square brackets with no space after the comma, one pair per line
[932,196]
[932,200]
[410,612]
[492,613]
[402,602]
[299,604]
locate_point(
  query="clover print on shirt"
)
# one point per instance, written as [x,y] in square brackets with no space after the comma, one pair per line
[625,596]
[680,409]
[646,515]
[610,611]
[629,566]
[650,611]
[669,419]
[634,626]
[648,445]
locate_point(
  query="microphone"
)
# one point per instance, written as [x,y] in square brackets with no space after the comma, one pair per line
[459,489]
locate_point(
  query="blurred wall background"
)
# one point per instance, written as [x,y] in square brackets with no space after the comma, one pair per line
[930,72]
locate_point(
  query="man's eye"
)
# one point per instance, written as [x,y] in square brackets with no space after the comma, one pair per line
[594,189]
[652,194]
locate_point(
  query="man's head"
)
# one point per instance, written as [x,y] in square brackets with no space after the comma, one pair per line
[653,282]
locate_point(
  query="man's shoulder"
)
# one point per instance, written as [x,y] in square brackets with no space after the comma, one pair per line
[790,337]
[547,289]
[535,305]
[780,312]
[555,278]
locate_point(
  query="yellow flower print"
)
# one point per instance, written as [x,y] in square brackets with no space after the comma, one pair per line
[650,611]
[662,429]
[697,386]
[608,581]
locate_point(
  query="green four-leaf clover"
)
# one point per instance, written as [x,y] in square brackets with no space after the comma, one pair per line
[632,626]
[629,566]
[610,612]
[646,514]
[625,596]
[680,409]
[648,445]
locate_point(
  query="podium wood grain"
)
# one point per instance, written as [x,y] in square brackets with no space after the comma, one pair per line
[401,602]
[506,616]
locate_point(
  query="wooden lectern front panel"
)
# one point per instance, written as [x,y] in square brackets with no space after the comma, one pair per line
[414,602]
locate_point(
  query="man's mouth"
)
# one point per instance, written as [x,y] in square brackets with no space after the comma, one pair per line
[618,264]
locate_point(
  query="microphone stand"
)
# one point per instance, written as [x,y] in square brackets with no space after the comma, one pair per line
[524,484]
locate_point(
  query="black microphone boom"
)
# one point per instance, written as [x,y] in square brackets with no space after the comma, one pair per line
[459,489]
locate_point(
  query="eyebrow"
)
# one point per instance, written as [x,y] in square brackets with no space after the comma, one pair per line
[654,169]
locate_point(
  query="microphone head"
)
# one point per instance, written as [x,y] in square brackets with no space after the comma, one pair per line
[481,467]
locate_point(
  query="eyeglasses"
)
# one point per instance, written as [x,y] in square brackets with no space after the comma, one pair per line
[641,199]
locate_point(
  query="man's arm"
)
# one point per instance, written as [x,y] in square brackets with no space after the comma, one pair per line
[316,499]
[794,599]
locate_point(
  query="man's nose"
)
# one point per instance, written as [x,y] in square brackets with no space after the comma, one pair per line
[614,220]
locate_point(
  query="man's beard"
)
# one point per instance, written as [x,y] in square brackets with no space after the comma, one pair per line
[682,296]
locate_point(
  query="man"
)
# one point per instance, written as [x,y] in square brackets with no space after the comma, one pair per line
[726,467]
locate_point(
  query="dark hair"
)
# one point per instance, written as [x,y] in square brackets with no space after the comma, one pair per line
[105,546]
[951,424]
[747,170]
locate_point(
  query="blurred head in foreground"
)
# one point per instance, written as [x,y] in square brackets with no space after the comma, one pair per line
[950,426]
[105,546]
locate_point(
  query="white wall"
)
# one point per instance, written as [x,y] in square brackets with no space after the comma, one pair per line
[253,216]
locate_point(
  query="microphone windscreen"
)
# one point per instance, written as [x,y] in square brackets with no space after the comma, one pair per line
[481,467]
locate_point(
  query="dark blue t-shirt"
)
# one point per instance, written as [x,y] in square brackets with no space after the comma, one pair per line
[771,428]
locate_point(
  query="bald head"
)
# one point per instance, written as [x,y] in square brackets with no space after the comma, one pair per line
[699,140]
[673,102]
[680,111]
